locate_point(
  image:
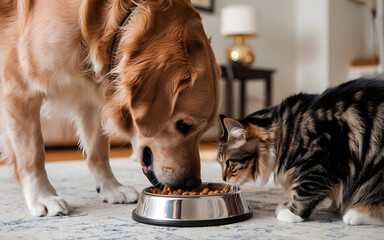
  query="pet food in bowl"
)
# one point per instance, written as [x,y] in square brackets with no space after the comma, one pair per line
[206,191]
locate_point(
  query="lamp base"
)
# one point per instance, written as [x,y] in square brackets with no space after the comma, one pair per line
[239,54]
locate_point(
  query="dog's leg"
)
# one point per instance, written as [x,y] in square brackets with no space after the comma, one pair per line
[96,145]
[21,115]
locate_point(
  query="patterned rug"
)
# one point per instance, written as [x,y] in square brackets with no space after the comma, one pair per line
[93,219]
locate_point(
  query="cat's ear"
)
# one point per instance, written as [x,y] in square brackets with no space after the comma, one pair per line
[235,131]
[224,131]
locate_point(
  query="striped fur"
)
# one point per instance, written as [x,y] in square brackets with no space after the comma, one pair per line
[327,145]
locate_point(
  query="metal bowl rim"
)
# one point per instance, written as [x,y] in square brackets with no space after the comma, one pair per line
[145,192]
[192,223]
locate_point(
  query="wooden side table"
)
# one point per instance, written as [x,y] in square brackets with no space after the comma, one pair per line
[230,73]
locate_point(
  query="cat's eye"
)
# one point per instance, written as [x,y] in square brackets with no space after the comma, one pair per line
[183,127]
[232,168]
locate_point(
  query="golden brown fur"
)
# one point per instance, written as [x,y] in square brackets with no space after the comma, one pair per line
[55,59]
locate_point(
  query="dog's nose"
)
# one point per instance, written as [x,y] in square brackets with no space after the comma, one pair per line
[194,182]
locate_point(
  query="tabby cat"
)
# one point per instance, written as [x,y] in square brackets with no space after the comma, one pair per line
[317,146]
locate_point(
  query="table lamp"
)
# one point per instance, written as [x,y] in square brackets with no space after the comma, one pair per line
[239,21]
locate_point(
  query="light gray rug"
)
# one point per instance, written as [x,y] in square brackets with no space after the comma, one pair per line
[93,219]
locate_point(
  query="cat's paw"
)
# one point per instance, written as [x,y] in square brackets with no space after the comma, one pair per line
[279,208]
[353,217]
[285,215]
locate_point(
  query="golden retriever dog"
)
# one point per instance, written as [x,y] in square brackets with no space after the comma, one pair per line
[144,70]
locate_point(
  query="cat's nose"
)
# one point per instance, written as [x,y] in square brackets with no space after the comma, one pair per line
[224,176]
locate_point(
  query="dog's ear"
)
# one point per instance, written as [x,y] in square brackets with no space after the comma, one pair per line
[153,90]
[97,27]
[156,64]
[153,101]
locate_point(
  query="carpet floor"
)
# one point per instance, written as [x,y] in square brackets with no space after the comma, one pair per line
[93,219]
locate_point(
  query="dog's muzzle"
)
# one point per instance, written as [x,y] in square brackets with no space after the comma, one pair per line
[148,168]
[150,174]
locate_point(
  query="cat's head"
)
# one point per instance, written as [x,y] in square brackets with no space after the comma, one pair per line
[245,152]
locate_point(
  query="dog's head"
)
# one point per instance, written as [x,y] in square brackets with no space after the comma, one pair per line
[167,91]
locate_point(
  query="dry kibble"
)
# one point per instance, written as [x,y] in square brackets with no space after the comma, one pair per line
[206,191]
[225,190]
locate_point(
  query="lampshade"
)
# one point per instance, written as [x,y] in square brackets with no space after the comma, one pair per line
[238,20]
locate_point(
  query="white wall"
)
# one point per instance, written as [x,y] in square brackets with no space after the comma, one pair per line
[351,37]
[330,35]
[275,47]
[312,45]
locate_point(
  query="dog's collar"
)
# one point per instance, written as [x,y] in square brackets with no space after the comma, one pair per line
[116,40]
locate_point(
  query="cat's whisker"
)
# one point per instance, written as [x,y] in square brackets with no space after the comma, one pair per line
[156,182]
[230,188]
[233,188]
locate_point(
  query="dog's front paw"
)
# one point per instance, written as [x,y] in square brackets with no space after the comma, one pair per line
[42,199]
[285,215]
[49,206]
[118,194]
[111,191]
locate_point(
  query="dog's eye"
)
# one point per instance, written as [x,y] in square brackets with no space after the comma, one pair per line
[183,127]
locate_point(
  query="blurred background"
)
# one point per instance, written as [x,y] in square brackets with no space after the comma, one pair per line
[311,44]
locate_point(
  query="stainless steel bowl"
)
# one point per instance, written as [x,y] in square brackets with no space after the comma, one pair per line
[192,210]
